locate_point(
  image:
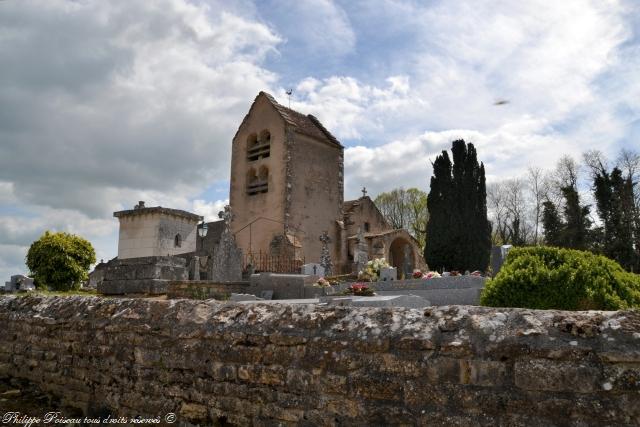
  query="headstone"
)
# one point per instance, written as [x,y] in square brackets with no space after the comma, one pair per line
[361,253]
[325,256]
[313,269]
[19,282]
[195,268]
[226,262]
[388,274]
[498,255]
[266,295]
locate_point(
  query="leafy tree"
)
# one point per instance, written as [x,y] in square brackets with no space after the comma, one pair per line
[60,261]
[458,229]
[405,209]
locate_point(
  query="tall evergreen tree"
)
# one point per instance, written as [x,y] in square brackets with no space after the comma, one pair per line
[615,205]
[552,224]
[459,233]
[576,233]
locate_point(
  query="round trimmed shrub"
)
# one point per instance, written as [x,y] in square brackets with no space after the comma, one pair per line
[554,278]
[60,261]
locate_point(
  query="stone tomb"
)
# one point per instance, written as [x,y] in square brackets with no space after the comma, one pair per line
[145,275]
[388,274]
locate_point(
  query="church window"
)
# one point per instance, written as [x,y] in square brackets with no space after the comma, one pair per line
[177,241]
[258,182]
[259,148]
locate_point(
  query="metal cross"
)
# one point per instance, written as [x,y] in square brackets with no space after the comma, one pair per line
[364,191]
[324,238]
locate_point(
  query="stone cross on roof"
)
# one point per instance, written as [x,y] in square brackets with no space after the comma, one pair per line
[364,191]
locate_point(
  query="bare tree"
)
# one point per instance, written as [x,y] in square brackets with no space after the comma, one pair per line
[507,205]
[538,188]
[596,162]
[516,208]
[496,205]
[566,172]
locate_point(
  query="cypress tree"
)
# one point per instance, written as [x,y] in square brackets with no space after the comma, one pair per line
[437,250]
[458,228]
[576,231]
[615,205]
[552,224]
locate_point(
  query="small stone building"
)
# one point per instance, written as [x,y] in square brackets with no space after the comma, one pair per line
[156,231]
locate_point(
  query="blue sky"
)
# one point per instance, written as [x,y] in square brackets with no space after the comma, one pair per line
[103,104]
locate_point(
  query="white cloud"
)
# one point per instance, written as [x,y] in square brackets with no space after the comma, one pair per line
[209,210]
[103,104]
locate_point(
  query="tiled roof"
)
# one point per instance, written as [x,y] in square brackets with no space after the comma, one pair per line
[160,210]
[308,125]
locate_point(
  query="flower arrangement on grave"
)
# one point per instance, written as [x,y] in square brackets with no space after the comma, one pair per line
[359,290]
[322,283]
[431,275]
[417,274]
[372,271]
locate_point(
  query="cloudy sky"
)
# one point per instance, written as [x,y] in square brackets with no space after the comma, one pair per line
[104,103]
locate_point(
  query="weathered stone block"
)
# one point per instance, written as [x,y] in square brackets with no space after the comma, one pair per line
[551,375]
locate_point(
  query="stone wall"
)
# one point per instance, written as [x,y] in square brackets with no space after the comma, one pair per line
[263,364]
[203,289]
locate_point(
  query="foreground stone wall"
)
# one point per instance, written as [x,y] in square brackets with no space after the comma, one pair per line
[204,289]
[304,365]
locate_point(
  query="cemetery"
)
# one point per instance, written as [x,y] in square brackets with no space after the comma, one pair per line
[297,307]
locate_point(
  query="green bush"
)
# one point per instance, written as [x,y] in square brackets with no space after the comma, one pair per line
[60,261]
[554,278]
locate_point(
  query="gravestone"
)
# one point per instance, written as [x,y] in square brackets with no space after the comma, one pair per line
[498,255]
[325,257]
[19,282]
[361,253]
[194,268]
[266,295]
[313,269]
[388,274]
[226,262]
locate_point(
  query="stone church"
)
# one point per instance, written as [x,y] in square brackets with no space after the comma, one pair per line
[287,189]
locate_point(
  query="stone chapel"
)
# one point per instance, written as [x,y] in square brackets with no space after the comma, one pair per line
[287,189]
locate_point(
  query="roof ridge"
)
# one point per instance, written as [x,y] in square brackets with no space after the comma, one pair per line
[287,112]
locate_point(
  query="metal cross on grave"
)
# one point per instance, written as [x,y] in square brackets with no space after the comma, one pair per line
[324,238]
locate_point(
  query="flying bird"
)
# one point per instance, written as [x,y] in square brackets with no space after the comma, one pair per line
[501,102]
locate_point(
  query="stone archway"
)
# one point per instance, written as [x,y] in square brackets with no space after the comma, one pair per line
[401,257]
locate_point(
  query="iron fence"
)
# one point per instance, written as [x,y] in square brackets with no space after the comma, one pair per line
[265,262]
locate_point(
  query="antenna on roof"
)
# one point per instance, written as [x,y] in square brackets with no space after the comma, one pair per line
[289,92]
